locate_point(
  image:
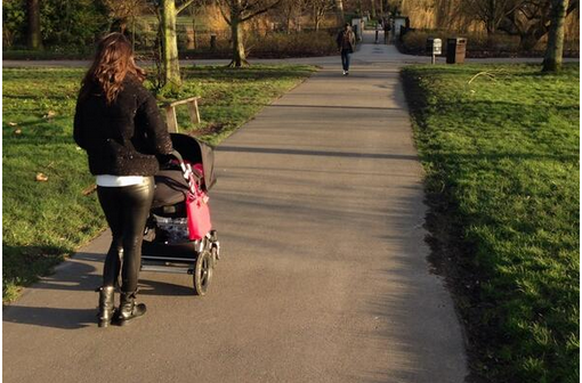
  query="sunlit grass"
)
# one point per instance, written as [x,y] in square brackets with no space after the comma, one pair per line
[502,152]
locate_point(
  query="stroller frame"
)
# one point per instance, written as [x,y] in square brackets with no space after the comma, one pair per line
[197,258]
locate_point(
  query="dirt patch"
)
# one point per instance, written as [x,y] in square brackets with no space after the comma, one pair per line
[212,128]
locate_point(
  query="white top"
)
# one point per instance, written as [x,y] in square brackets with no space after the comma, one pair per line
[109,180]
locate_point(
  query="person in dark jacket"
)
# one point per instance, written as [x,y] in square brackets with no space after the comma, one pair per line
[346,43]
[118,123]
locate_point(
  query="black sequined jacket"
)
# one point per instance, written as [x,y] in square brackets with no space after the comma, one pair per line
[122,138]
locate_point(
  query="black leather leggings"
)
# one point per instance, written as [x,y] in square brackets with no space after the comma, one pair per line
[126,210]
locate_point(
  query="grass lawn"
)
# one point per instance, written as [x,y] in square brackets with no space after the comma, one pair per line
[502,160]
[45,221]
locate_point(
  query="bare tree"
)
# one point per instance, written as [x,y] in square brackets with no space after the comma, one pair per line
[339,8]
[124,12]
[290,10]
[492,12]
[555,48]
[236,13]
[319,9]
[531,21]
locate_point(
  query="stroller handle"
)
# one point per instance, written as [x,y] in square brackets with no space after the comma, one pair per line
[178,156]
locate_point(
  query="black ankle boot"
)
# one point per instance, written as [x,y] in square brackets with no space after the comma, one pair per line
[106,305]
[128,309]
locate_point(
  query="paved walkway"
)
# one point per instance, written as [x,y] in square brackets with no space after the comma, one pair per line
[324,277]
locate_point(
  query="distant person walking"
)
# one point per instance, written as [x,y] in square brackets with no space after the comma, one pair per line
[379,27]
[346,43]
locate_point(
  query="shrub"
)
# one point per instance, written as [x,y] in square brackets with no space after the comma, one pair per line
[272,45]
[14,22]
[478,44]
[64,24]
[302,44]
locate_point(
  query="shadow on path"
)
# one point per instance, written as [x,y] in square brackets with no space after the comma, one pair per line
[237,149]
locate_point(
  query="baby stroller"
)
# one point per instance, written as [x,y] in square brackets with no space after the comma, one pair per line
[173,243]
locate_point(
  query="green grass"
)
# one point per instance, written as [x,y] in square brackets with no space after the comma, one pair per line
[502,158]
[46,221]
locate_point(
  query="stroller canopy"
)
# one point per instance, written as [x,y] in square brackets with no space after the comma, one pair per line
[195,152]
[171,187]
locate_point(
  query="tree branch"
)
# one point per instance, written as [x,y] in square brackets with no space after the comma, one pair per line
[260,11]
[573,5]
[183,6]
[224,16]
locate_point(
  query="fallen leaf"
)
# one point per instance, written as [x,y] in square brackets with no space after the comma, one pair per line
[12,123]
[50,114]
[89,190]
[40,177]
[18,131]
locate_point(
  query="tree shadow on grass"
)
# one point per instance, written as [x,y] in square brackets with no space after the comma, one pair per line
[256,72]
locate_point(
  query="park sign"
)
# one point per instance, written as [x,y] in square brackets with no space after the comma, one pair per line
[434,47]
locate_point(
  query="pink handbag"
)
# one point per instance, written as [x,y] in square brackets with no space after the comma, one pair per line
[198,215]
[197,208]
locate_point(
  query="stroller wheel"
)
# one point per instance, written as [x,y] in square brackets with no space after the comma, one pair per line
[202,273]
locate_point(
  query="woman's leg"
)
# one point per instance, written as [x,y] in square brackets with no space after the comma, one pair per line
[137,201]
[126,210]
[110,199]
[111,203]
[347,68]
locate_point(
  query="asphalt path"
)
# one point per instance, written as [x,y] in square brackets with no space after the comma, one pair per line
[324,277]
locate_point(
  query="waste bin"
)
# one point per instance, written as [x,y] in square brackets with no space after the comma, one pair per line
[212,42]
[456,50]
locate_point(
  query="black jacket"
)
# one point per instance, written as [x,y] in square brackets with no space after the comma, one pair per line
[122,138]
[350,39]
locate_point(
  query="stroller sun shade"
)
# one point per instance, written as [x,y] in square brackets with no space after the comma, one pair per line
[196,152]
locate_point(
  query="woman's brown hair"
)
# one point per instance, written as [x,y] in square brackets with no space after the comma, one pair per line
[113,62]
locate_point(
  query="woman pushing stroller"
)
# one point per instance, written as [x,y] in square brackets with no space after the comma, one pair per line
[118,123]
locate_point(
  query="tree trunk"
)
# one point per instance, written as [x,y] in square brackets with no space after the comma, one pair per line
[373,8]
[316,20]
[339,7]
[34,36]
[170,62]
[491,27]
[288,17]
[555,48]
[238,49]
[529,39]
